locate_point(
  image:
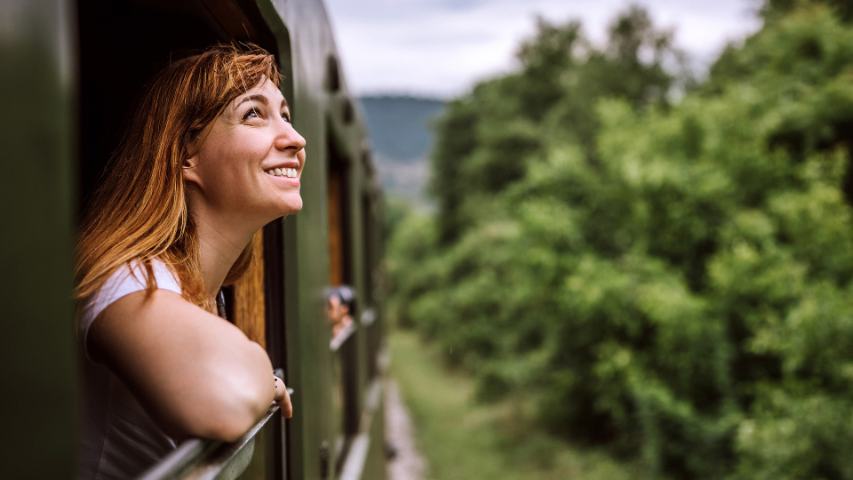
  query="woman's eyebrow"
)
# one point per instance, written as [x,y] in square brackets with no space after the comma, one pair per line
[260,98]
[256,97]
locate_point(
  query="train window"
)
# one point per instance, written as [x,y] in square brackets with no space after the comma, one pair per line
[336,194]
[344,344]
[347,111]
[333,77]
[118,54]
[121,44]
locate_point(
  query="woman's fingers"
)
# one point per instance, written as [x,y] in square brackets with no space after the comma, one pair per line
[286,406]
[282,397]
[280,389]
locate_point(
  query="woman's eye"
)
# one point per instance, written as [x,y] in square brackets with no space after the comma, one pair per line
[252,113]
[286,117]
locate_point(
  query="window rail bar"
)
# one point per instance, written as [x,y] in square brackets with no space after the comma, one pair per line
[208,459]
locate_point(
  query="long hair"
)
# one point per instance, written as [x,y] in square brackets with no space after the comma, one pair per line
[140,210]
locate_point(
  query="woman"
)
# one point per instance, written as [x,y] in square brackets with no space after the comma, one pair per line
[210,157]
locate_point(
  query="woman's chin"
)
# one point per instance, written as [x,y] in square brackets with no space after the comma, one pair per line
[291,205]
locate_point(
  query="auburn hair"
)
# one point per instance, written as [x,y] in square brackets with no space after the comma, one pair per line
[140,210]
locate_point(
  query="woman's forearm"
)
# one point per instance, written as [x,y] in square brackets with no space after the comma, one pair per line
[197,374]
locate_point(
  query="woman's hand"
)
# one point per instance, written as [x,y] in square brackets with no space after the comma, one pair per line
[282,397]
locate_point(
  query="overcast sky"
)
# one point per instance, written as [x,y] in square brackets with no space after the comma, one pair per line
[442,47]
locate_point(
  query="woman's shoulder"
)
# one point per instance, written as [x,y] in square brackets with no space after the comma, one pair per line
[129,278]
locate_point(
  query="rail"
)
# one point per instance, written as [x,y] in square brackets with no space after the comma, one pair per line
[200,459]
[208,459]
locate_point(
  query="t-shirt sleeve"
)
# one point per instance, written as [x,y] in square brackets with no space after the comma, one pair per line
[124,281]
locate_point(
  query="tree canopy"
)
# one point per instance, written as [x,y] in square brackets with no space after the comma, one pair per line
[668,274]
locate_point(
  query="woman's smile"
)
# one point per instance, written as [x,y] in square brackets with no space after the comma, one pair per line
[284,176]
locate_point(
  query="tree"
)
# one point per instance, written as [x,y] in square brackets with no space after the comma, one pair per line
[669,279]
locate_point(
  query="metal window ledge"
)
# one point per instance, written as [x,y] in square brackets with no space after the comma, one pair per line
[199,459]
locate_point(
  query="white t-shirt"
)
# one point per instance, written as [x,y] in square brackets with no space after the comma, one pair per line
[120,440]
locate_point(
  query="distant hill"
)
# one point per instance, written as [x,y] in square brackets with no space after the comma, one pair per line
[401,137]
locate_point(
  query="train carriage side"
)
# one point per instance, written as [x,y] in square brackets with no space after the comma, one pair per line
[336,431]
[37,358]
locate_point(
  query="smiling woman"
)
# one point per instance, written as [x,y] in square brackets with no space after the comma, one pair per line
[158,159]
[197,174]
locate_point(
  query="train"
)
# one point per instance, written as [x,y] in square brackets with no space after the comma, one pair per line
[73,70]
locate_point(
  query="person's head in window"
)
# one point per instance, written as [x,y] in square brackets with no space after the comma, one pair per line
[211,150]
[340,306]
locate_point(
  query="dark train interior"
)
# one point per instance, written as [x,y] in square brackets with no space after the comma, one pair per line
[117,54]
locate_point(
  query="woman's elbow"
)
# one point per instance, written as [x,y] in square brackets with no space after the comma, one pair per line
[243,394]
[230,429]
[229,418]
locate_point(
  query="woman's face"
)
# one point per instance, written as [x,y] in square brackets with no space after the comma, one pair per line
[250,158]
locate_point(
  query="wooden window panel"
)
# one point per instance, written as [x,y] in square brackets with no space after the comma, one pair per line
[249,310]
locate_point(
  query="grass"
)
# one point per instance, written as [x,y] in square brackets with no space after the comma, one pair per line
[465,440]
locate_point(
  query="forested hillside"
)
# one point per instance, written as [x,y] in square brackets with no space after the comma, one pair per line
[401,134]
[657,266]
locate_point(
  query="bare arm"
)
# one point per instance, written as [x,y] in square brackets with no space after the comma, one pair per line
[197,374]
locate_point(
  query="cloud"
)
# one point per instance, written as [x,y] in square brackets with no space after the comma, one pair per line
[441,47]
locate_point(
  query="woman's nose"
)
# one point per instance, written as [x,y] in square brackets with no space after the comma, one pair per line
[288,137]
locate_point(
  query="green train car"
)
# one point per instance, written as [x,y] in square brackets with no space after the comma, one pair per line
[72,72]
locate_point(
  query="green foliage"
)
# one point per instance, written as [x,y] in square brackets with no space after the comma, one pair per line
[485,139]
[796,435]
[673,281]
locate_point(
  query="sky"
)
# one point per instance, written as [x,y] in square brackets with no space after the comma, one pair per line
[441,48]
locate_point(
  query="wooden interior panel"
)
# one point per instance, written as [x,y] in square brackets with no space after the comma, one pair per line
[249,310]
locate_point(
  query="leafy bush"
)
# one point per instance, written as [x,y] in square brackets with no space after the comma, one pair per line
[672,280]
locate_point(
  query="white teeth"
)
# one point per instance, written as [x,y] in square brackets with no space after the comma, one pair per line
[283,172]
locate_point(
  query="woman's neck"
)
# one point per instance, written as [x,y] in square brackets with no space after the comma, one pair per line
[220,242]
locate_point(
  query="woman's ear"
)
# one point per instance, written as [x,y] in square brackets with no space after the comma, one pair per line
[193,146]
[190,170]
